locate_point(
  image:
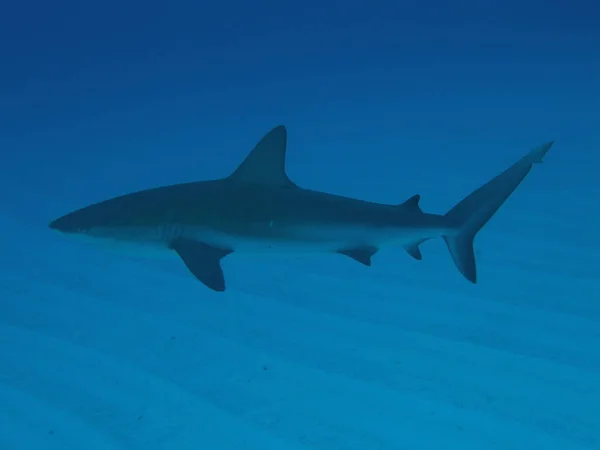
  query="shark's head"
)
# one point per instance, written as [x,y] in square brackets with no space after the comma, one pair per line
[113,225]
[92,221]
[77,222]
[98,225]
[99,219]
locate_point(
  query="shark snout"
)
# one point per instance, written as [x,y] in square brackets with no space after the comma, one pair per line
[58,225]
[65,224]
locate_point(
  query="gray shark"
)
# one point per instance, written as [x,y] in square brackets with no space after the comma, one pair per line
[259,209]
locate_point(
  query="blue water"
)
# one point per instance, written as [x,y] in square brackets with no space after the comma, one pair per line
[382,100]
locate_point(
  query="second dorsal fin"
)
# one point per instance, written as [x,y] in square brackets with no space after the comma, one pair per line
[266,162]
[412,204]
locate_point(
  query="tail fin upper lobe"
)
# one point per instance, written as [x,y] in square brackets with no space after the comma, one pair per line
[475,210]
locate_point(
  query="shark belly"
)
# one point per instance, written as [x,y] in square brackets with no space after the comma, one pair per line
[309,238]
[271,238]
[293,239]
[155,241]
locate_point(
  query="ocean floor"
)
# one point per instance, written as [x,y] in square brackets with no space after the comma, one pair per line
[105,351]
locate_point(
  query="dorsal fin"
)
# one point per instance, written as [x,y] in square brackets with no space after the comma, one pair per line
[412,204]
[266,162]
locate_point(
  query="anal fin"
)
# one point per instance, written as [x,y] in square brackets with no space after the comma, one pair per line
[414,251]
[360,254]
[203,261]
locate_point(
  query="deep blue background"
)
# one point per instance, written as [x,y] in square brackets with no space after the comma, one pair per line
[100,98]
[382,100]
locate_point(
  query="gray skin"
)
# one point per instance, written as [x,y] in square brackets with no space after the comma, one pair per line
[258,209]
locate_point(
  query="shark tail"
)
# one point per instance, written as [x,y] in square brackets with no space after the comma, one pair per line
[474,211]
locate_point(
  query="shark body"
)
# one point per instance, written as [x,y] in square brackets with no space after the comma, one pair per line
[259,209]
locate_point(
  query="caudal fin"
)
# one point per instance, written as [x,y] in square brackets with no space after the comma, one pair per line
[474,211]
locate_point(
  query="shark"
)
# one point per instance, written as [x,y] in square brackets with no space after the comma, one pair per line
[258,209]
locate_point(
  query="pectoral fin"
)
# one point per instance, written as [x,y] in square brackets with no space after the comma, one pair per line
[203,261]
